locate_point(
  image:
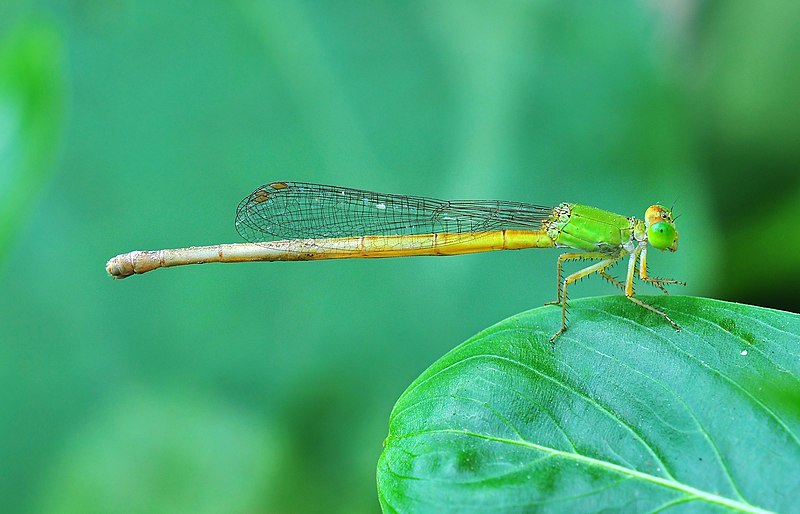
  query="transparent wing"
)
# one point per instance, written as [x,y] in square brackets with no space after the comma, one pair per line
[299,210]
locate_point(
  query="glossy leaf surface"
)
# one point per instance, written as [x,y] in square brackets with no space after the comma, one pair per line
[623,415]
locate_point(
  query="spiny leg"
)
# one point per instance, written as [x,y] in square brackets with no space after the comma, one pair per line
[611,279]
[660,282]
[559,273]
[657,311]
[657,283]
[594,268]
[574,256]
[654,281]
[640,254]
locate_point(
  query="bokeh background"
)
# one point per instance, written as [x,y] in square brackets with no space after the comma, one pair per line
[267,387]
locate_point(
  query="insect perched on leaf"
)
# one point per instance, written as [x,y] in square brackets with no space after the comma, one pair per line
[298,221]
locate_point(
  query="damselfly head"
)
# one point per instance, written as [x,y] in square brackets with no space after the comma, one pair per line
[661,232]
[657,213]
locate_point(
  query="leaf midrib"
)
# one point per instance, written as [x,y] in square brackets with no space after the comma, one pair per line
[555,380]
[663,482]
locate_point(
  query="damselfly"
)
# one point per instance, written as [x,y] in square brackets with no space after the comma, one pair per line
[298,221]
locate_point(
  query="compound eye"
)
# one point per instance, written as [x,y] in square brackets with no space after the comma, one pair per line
[657,212]
[661,235]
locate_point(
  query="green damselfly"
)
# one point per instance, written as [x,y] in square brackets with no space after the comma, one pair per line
[298,221]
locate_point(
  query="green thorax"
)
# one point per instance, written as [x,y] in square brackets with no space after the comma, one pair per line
[589,229]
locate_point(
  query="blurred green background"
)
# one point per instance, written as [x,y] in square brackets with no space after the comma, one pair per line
[267,387]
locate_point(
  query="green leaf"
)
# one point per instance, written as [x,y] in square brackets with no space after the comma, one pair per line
[624,414]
